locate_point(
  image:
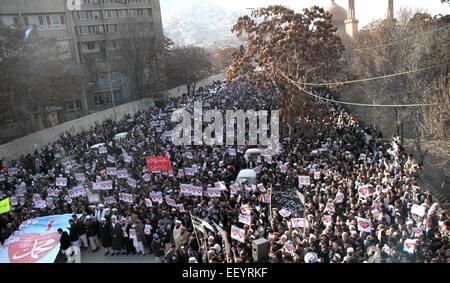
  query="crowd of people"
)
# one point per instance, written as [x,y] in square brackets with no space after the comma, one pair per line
[362,204]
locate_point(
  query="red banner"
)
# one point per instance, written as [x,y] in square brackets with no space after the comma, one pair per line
[158,164]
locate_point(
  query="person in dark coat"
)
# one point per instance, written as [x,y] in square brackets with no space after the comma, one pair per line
[65,243]
[116,236]
[128,242]
[92,233]
[105,236]
[73,233]
[158,248]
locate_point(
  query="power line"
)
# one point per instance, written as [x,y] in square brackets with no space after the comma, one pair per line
[352,103]
[404,39]
[374,78]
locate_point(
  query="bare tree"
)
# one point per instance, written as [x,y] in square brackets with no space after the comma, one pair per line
[188,65]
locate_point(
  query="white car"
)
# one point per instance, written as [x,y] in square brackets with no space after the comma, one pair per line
[246,175]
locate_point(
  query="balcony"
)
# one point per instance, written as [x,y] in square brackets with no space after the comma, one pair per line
[91,37]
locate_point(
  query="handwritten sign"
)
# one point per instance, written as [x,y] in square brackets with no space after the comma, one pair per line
[132,182]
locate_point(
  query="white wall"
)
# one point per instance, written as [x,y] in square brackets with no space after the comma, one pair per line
[29,143]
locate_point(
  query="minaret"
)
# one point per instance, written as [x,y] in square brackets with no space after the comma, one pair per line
[390,10]
[351,24]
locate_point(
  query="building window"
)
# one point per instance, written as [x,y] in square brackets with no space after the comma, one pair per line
[26,21]
[73,106]
[90,46]
[122,13]
[98,99]
[63,20]
[49,21]
[16,21]
[41,21]
[96,15]
[56,20]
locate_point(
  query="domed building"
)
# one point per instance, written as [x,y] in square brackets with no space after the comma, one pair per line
[339,15]
[346,22]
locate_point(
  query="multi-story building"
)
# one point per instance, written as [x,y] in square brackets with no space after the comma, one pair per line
[88,36]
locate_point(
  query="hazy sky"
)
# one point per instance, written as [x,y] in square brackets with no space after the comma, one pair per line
[366,10]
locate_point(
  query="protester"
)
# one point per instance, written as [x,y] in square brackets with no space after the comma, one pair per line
[361,201]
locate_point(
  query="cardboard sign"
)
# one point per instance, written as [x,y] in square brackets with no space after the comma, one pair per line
[146,178]
[132,182]
[196,191]
[148,202]
[185,189]
[36,197]
[102,186]
[298,222]
[246,219]
[52,192]
[317,175]
[409,246]
[304,181]
[364,225]
[232,151]
[180,208]
[122,174]
[148,229]
[94,198]
[80,177]
[327,219]
[13,201]
[289,247]
[132,233]
[77,191]
[234,189]
[111,171]
[110,159]
[238,234]
[268,159]
[110,200]
[102,150]
[128,198]
[283,168]
[189,171]
[12,171]
[127,158]
[417,232]
[158,164]
[339,197]
[61,182]
[213,192]
[170,201]
[156,197]
[180,173]
[418,210]
[363,192]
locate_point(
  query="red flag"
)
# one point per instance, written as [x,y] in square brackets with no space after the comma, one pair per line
[159,164]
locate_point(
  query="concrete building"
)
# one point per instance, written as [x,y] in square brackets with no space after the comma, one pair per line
[88,37]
